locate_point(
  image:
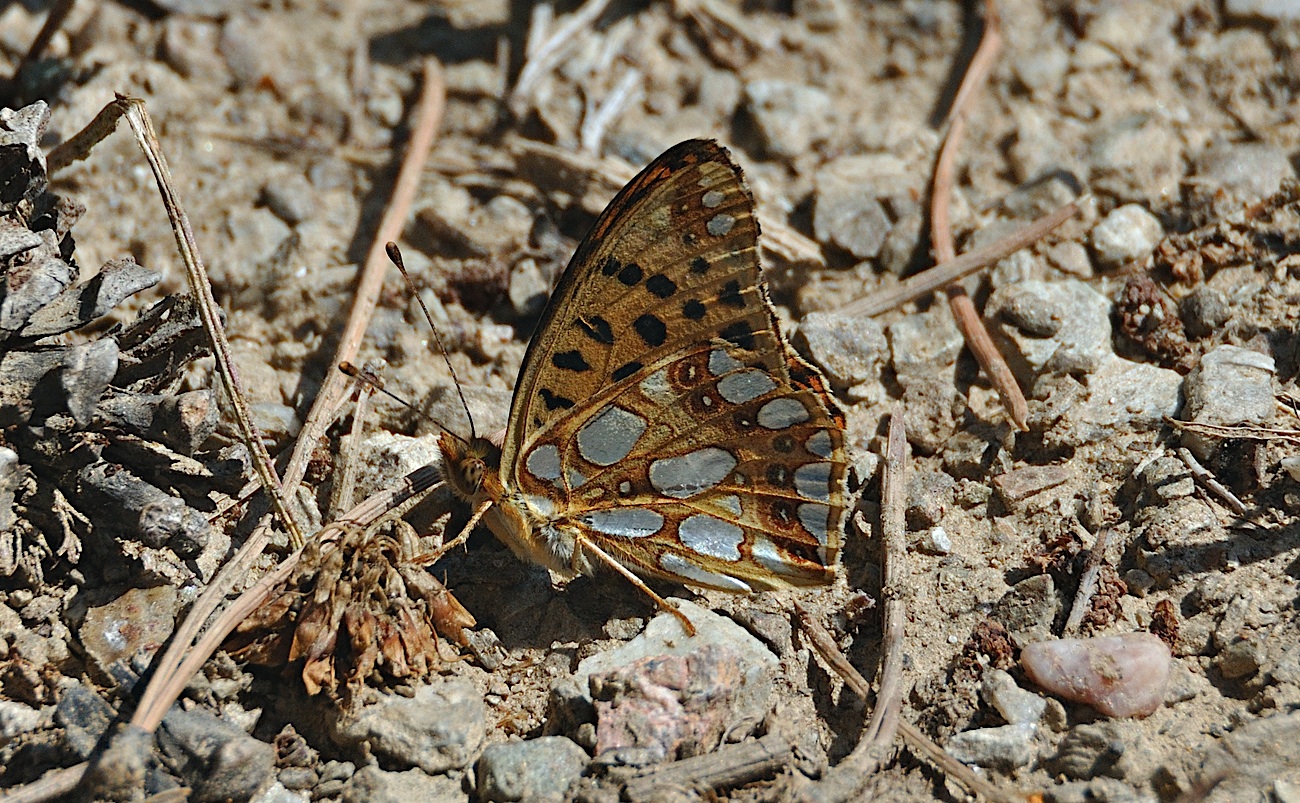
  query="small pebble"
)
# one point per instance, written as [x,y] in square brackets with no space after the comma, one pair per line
[1017,706]
[1120,676]
[935,542]
[791,117]
[1127,234]
[1005,748]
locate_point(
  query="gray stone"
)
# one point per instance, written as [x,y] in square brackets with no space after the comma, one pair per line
[1230,386]
[791,117]
[11,479]
[850,350]
[373,785]
[1126,235]
[924,345]
[1138,156]
[442,727]
[217,758]
[1043,69]
[1098,749]
[292,199]
[1204,310]
[851,221]
[84,717]
[931,409]
[1241,659]
[539,770]
[1168,478]
[935,541]
[1119,394]
[18,718]
[529,288]
[1246,171]
[929,497]
[1272,10]
[1004,748]
[1028,609]
[274,420]
[1017,706]
[279,793]
[258,231]
[1051,327]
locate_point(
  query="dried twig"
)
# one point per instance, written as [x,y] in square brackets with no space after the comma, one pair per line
[600,115]
[846,780]
[1087,580]
[209,313]
[544,55]
[53,21]
[945,273]
[893,527]
[728,766]
[963,309]
[428,118]
[824,644]
[1204,477]
[1246,433]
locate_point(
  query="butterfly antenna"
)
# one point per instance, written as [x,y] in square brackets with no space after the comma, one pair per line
[395,256]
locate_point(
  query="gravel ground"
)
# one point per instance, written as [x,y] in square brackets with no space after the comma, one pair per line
[1154,335]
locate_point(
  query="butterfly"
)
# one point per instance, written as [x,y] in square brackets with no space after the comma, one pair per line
[661,425]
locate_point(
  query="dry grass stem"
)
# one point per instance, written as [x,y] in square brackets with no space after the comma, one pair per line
[1211,483]
[944,273]
[424,130]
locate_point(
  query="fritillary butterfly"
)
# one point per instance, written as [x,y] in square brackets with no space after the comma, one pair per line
[661,425]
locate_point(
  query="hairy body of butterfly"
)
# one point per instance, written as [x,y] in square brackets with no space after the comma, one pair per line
[661,425]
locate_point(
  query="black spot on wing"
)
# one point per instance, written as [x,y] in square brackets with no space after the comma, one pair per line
[631,274]
[700,265]
[740,334]
[652,330]
[570,361]
[731,295]
[598,329]
[554,401]
[626,370]
[693,309]
[661,285]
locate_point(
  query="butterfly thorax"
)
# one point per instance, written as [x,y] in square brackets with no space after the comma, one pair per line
[472,470]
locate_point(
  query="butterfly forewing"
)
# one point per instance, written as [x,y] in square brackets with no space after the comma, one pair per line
[659,414]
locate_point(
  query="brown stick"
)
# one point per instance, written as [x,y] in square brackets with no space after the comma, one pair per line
[53,21]
[1087,580]
[963,309]
[1204,477]
[944,273]
[428,119]
[142,126]
[893,527]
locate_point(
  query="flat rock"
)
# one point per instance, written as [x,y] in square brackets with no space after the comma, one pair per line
[373,785]
[791,117]
[1005,747]
[442,727]
[1051,327]
[1230,386]
[539,770]
[754,664]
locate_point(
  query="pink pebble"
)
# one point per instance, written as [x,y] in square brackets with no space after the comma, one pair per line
[1120,676]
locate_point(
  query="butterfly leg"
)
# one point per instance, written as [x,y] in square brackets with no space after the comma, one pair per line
[430,558]
[609,561]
